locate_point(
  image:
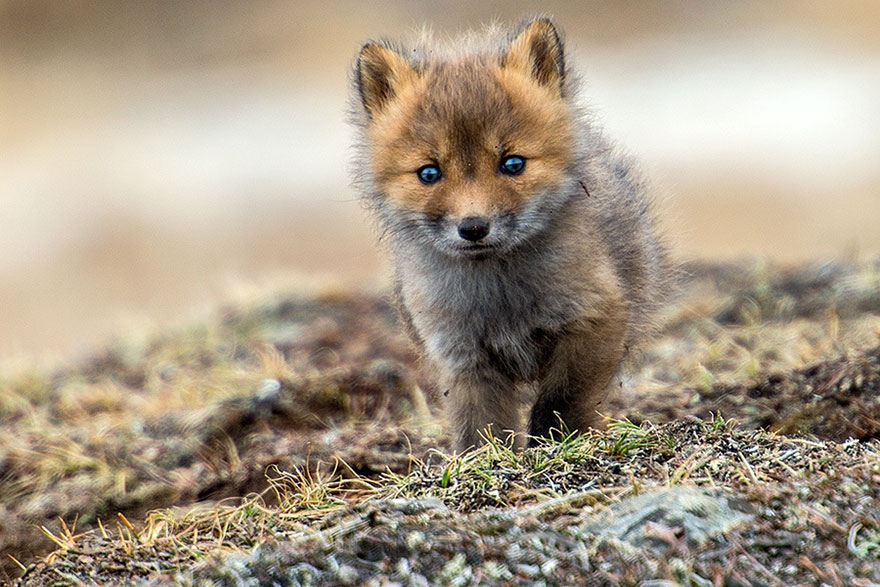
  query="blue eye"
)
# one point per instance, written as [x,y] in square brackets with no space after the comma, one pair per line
[429,174]
[512,165]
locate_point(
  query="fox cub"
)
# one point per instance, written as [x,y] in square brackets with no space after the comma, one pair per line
[524,251]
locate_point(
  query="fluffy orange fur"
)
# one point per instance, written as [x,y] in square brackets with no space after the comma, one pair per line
[541,274]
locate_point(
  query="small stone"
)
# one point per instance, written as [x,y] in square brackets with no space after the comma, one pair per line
[549,566]
[497,571]
[268,391]
[514,552]
[454,569]
[414,540]
[528,570]
[702,513]
[347,575]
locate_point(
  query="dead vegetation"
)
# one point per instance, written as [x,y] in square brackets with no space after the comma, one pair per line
[292,440]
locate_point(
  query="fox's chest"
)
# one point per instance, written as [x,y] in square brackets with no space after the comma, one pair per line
[488,316]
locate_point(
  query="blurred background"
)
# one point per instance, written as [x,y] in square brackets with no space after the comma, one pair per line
[158,157]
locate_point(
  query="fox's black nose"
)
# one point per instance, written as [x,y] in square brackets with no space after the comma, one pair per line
[473,228]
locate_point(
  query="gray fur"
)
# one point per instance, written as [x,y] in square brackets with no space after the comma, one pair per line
[488,325]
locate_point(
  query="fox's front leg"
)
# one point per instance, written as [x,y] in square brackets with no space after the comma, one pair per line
[577,376]
[476,400]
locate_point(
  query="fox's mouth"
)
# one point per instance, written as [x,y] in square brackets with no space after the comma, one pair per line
[475,250]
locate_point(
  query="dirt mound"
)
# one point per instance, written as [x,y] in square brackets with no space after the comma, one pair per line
[292,414]
[689,502]
[836,399]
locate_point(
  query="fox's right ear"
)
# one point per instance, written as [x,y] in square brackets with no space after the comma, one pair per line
[381,74]
[537,51]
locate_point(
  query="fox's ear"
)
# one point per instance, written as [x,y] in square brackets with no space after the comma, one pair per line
[381,74]
[537,51]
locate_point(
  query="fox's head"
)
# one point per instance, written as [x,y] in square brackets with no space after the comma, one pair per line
[468,152]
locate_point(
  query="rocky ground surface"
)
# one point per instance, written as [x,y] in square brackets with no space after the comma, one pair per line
[293,440]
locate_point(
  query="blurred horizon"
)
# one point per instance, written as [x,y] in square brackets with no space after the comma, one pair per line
[159,158]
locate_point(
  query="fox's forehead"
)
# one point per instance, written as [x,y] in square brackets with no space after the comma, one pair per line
[466,90]
[464,109]
[465,115]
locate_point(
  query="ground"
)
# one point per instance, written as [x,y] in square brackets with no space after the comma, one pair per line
[294,440]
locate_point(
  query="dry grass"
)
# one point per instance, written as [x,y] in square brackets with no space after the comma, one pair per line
[295,429]
[805,499]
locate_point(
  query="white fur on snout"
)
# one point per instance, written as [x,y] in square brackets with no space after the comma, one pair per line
[502,237]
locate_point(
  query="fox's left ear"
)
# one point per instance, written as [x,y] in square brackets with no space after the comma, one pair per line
[537,51]
[381,74]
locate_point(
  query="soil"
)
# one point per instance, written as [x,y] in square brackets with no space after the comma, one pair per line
[294,440]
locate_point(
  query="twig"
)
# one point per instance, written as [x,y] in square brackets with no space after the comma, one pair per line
[851,540]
